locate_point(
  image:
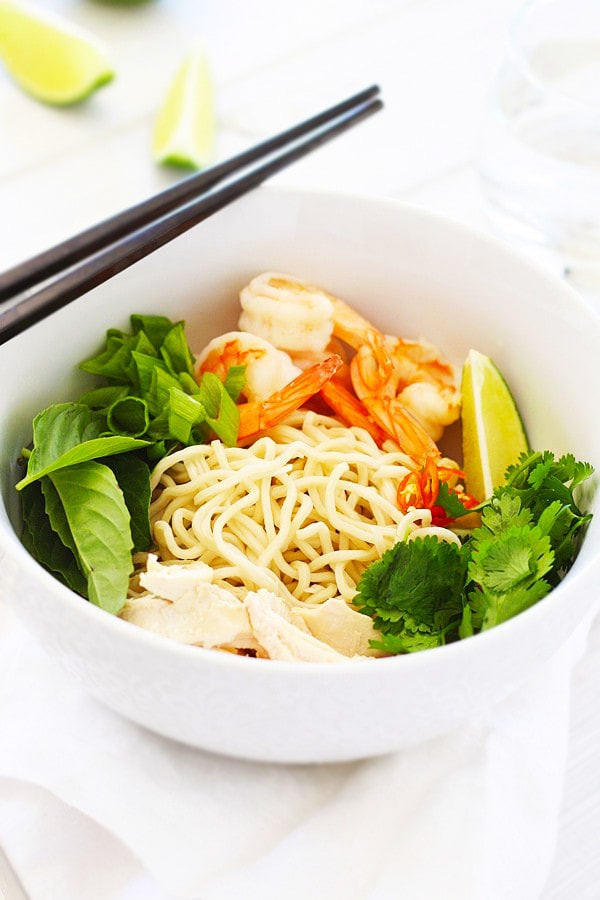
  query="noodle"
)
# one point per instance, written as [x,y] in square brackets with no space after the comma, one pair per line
[302,512]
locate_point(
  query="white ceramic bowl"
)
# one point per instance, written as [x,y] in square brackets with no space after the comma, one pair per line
[414,274]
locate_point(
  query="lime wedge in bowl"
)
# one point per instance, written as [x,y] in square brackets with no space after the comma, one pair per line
[493,434]
[50,58]
[184,130]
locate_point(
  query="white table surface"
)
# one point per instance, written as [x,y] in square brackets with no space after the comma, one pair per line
[274,63]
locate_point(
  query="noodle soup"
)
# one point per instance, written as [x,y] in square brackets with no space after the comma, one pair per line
[414,274]
[283,493]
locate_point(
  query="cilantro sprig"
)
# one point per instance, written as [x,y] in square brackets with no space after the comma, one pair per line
[528,539]
[425,593]
[415,594]
[86,490]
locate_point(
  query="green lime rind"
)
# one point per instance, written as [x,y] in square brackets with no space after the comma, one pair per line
[50,59]
[184,129]
[493,433]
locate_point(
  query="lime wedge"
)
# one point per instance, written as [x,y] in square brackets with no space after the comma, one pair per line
[184,130]
[50,58]
[493,435]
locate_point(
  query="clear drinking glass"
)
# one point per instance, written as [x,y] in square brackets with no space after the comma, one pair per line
[540,157]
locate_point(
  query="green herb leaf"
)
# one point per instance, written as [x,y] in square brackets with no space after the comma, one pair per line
[539,481]
[528,539]
[44,544]
[97,523]
[450,503]
[509,569]
[415,593]
[67,434]
[133,477]
[81,517]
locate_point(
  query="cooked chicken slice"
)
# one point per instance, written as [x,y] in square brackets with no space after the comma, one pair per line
[341,627]
[183,605]
[172,581]
[274,629]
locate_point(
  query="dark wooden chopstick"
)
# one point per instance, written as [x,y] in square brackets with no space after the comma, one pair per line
[39,300]
[56,259]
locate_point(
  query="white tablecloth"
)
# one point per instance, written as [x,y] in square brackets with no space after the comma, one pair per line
[64,822]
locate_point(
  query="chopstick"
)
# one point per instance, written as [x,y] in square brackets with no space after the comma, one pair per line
[52,279]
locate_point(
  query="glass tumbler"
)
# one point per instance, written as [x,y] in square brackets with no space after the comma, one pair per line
[540,154]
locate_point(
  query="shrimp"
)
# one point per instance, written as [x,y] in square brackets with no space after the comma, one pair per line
[267,369]
[258,416]
[410,400]
[426,384]
[343,402]
[292,314]
[403,388]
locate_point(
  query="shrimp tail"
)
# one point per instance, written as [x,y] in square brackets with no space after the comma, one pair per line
[404,428]
[349,408]
[257,417]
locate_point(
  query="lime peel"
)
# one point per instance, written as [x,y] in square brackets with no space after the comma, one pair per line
[493,435]
[185,125]
[49,57]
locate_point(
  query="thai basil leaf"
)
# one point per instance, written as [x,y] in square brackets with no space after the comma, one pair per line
[44,544]
[98,524]
[67,434]
[133,477]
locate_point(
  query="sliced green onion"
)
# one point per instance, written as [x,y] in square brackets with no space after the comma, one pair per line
[128,415]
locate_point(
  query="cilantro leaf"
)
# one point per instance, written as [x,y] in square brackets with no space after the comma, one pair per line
[541,483]
[509,566]
[528,538]
[423,593]
[415,593]
[450,503]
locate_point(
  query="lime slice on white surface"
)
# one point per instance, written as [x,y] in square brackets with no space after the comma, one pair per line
[50,58]
[184,130]
[493,435]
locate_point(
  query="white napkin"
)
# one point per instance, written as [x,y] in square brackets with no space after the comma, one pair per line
[472,814]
